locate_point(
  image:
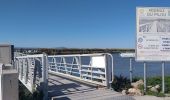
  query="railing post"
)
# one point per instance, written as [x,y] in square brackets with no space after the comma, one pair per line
[31,72]
[22,68]
[65,66]
[80,65]
[109,69]
[107,72]
[25,71]
[19,68]
[45,76]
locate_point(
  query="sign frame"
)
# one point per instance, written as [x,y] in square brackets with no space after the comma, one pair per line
[156,59]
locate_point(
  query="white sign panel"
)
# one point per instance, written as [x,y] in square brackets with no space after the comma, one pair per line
[127,54]
[153,34]
[98,61]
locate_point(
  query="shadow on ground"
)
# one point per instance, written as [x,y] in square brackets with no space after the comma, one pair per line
[62,87]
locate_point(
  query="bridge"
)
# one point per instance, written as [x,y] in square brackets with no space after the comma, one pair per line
[57,77]
[65,77]
[155,26]
[61,77]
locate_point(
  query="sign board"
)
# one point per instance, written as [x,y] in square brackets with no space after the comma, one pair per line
[153,34]
[127,54]
[98,61]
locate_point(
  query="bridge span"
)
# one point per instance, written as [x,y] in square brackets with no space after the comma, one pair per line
[39,72]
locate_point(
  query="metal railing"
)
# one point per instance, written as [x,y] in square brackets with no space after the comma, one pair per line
[34,69]
[93,68]
[33,72]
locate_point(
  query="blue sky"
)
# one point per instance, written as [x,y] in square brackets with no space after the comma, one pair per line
[71,23]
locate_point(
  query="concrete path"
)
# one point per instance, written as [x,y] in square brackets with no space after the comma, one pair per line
[65,89]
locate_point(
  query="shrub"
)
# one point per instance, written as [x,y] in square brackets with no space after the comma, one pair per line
[167,84]
[121,83]
[37,95]
[136,79]
[25,94]
[158,80]
[152,81]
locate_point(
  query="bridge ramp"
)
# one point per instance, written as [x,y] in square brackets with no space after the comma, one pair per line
[60,88]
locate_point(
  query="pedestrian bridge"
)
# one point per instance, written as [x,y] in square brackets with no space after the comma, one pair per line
[68,73]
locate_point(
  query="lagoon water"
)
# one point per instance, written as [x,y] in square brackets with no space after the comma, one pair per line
[121,67]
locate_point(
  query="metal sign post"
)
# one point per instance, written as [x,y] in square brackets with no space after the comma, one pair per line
[163,77]
[130,56]
[144,77]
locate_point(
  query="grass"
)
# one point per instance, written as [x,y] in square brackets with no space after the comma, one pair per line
[158,80]
[152,81]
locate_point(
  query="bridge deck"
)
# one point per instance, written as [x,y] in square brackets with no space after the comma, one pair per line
[64,89]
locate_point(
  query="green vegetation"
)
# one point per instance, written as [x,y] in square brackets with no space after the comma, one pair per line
[158,80]
[121,83]
[158,94]
[152,81]
[25,94]
[136,79]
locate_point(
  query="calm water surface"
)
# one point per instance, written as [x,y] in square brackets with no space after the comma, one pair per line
[121,67]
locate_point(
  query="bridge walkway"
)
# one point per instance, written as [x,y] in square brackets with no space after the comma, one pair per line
[60,88]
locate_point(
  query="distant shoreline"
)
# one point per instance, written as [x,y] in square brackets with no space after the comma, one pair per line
[59,51]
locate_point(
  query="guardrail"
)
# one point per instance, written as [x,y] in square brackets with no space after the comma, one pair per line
[93,68]
[33,72]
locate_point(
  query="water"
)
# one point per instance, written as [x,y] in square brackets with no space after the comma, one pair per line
[121,67]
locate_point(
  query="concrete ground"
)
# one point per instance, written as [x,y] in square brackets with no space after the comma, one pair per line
[150,98]
[65,89]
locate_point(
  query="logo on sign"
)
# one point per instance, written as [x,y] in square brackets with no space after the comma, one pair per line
[140,40]
[140,46]
[141,11]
